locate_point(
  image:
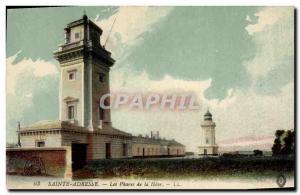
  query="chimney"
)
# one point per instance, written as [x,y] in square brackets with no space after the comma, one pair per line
[19,128]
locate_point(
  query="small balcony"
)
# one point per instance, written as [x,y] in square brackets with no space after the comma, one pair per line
[71,45]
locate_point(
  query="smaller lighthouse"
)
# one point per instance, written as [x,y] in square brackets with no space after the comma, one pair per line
[208,140]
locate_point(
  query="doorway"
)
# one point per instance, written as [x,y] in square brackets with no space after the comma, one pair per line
[125,148]
[205,152]
[107,150]
[79,155]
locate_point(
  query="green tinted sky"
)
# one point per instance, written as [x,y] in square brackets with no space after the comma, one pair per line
[192,43]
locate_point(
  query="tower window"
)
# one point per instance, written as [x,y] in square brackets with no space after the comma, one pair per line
[72,76]
[77,35]
[101,78]
[71,112]
[207,141]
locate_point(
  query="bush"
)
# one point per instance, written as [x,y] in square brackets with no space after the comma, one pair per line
[173,167]
[258,152]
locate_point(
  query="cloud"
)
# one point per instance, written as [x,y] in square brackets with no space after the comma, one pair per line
[255,114]
[126,79]
[273,35]
[131,23]
[248,143]
[267,17]
[29,83]
[39,68]
[240,113]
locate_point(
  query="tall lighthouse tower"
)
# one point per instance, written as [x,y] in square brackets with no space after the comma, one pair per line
[208,141]
[85,66]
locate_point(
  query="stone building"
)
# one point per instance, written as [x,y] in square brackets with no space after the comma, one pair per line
[83,125]
[84,78]
[208,140]
[154,146]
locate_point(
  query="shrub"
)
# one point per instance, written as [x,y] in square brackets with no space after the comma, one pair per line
[175,167]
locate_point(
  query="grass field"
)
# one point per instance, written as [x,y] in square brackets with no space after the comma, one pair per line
[240,167]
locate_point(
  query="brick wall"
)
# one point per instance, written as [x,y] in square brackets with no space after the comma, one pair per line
[48,161]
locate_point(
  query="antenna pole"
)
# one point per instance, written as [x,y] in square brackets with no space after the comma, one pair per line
[109,32]
[19,128]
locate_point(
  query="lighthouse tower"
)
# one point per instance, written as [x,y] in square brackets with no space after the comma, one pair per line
[208,140]
[85,67]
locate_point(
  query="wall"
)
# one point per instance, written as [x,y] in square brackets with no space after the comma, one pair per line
[208,132]
[150,149]
[155,147]
[52,139]
[73,89]
[177,151]
[77,29]
[99,89]
[56,161]
[73,137]
[116,146]
[210,150]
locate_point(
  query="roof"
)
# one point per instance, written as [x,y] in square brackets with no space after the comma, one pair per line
[113,131]
[175,143]
[207,113]
[163,142]
[48,124]
[83,20]
[65,125]
[146,140]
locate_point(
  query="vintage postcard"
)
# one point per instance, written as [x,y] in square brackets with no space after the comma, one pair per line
[150,98]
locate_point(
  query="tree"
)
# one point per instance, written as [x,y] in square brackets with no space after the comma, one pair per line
[289,142]
[276,149]
[284,143]
[293,142]
[257,152]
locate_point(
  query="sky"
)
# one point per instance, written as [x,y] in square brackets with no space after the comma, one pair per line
[239,61]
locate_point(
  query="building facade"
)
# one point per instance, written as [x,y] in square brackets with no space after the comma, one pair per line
[154,146]
[83,124]
[208,140]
